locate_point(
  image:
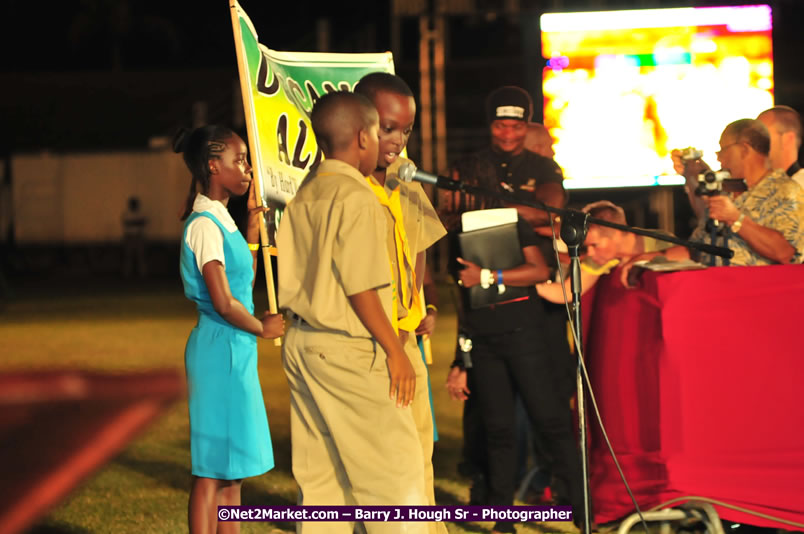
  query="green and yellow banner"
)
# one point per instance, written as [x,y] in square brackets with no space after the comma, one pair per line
[279,90]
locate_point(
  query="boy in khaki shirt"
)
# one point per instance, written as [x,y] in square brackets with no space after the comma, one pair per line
[421,228]
[353,441]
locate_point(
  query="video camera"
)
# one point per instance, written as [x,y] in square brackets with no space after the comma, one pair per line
[690,154]
[711,182]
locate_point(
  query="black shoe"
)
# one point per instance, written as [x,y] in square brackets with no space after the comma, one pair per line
[479,491]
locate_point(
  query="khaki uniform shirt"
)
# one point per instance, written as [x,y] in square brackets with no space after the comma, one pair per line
[332,244]
[421,222]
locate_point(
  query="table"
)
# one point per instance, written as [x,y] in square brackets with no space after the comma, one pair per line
[697,375]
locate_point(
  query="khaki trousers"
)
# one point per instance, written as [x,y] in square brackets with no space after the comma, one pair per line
[350,444]
[423,418]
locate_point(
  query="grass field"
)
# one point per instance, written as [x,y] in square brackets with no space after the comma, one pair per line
[126,328]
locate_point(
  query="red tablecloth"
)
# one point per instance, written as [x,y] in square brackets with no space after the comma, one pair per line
[698,376]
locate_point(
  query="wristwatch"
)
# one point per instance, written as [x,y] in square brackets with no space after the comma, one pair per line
[486,278]
[465,346]
[736,225]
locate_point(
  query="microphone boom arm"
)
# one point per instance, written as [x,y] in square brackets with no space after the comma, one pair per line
[409,172]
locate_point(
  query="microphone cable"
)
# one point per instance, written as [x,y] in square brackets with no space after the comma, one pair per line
[582,364]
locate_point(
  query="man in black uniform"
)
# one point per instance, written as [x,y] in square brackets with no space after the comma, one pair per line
[511,344]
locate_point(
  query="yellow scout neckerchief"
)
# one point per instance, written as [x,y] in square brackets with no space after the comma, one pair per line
[403,257]
[601,269]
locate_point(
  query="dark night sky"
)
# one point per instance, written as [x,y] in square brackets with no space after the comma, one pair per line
[174,34]
[95,74]
[123,70]
[99,35]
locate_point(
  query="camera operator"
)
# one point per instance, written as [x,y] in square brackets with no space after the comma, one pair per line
[784,126]
[766,222]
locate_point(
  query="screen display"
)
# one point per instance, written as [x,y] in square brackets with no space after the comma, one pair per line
[623,88]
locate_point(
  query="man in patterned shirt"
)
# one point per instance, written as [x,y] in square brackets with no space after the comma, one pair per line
[766,222]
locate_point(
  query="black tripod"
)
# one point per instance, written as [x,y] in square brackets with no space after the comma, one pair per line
[717,229]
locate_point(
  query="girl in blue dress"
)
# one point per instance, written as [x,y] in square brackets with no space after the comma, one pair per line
[229,436]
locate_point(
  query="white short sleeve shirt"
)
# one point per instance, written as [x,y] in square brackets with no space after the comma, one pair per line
[203,236]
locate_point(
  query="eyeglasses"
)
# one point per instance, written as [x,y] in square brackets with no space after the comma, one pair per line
[723,149]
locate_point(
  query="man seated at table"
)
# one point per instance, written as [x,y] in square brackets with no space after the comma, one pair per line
[766,222]
[605,248]
[538,140]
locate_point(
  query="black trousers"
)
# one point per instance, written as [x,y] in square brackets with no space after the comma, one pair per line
[519,362]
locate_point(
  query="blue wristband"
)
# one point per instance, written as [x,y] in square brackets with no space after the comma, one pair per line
[499,277]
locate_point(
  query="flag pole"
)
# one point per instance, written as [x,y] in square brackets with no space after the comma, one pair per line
[248,109]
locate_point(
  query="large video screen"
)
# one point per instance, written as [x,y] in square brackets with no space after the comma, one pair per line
[623,88]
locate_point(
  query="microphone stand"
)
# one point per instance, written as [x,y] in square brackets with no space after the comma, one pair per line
[574,224]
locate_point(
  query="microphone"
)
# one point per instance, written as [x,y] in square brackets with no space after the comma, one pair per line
[408,172]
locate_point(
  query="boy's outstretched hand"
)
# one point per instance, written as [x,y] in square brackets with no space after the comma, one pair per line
[273,325]
[403,378]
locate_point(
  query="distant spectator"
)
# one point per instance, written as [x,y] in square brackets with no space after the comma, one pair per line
[539,140]
[784,125]
[134,223]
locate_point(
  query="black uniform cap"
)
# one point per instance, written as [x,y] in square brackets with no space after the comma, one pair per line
[509,102]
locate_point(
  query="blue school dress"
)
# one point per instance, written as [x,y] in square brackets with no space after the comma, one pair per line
[420,342]
[229,435]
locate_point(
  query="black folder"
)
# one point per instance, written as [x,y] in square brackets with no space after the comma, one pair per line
[495,247]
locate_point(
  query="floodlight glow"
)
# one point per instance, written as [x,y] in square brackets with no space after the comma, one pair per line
[623,88]
[737,18]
